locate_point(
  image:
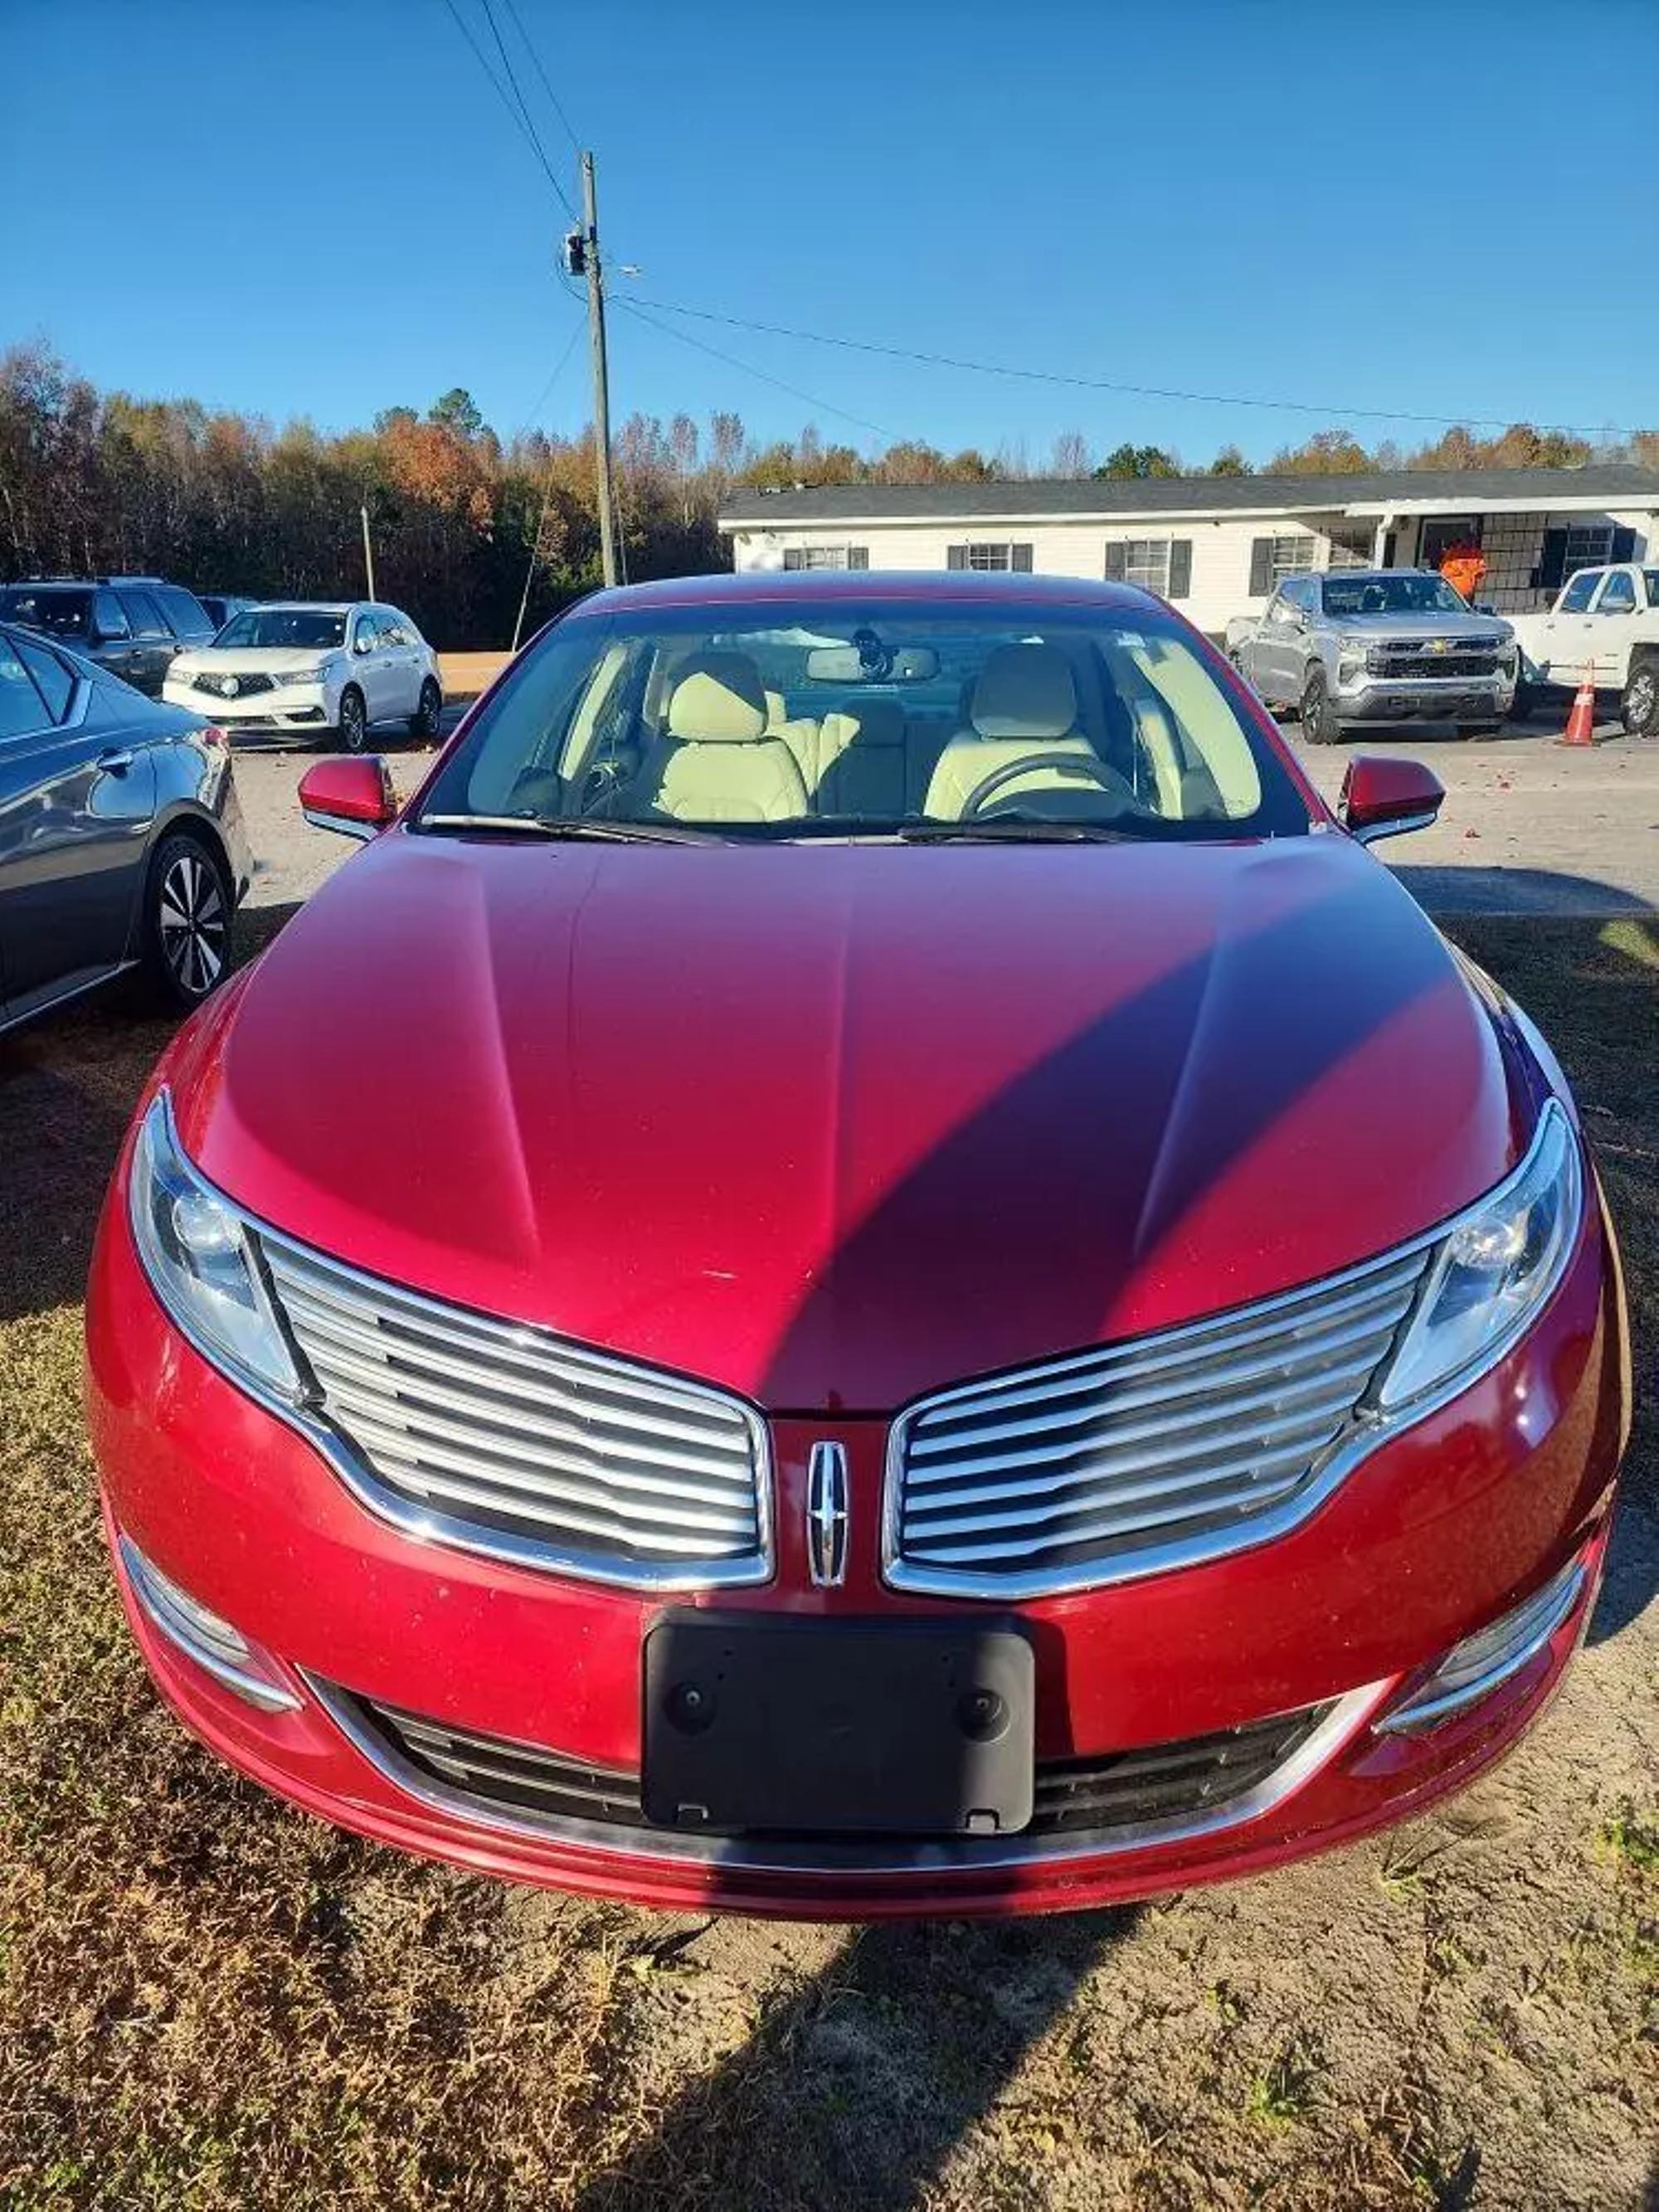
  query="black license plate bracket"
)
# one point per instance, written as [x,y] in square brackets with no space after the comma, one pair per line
[781,1725]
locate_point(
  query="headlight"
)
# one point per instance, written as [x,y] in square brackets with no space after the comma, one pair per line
[292,677]
[1495,1268]
[195,1252]
[1351,661]
[1508,656]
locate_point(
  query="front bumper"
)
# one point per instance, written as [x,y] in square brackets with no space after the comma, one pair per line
[1425,699]
[262,711]
[1456,1520]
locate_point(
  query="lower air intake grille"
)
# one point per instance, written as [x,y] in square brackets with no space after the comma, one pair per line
[1153,1454]
[505,1439]
[1080,1798]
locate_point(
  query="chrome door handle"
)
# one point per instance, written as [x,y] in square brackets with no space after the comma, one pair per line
[117,761]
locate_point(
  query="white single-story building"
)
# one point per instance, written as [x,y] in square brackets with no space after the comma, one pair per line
[1217,545]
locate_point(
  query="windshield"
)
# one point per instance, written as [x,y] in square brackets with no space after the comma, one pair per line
[64,614]
[309,627]
[879,719]
[1391,595]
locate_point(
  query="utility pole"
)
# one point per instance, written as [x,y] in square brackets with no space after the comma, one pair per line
[369,549]
[581,258]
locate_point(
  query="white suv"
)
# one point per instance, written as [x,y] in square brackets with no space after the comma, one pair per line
[309,667]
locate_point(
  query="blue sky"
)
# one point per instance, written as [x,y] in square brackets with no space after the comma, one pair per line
[298,208]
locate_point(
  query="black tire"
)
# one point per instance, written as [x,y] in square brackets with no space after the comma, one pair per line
[354,721]
[1524,705]
[186,922]
[1639,709]
[424,722]
[1319,724]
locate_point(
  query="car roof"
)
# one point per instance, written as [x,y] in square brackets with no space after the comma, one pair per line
[805,587]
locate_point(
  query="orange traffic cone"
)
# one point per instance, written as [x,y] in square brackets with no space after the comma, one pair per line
[1581,723]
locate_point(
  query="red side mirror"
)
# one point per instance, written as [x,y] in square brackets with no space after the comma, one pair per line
[1383,797]
[353,796]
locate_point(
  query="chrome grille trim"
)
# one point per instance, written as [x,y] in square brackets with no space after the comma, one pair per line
[1153,1454]
[503,1439]
[1336,1727]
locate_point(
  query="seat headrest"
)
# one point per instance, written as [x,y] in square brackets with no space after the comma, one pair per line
[870,722]
[1024,691]
[718,700]
[777,713]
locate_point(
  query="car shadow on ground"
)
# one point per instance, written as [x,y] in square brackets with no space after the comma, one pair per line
[857,2087]
[1448,892]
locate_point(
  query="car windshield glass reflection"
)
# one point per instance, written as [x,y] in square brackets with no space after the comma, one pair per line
[869,721]
[280,626]
[1391,595]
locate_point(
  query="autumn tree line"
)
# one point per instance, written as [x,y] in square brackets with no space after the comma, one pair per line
[93,482]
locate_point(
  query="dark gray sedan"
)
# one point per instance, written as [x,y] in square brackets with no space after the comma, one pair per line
[121,838]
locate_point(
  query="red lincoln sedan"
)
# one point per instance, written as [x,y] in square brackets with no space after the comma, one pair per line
[864,1265]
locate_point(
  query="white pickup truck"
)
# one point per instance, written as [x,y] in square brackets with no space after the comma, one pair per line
[1606,620]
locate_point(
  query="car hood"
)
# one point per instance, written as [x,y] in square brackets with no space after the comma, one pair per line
[1479,630]
[252,660]
[833,1125]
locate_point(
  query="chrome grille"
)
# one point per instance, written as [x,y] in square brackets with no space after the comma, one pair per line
[212,681]
[1415,659]
[1080,1798]
[1149,1454]
[505,1439]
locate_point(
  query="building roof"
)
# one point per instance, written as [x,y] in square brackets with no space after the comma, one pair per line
[1044,499]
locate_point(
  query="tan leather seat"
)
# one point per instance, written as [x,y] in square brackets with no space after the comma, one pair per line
[1024,702]
[862,762]
[716,762]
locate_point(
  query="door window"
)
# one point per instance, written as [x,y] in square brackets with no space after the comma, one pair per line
[1618,594]
[143,614]
[51,676]
[187,616]
[23,711]
[1575,600]
[110,615]
[1281,615]
[368,633]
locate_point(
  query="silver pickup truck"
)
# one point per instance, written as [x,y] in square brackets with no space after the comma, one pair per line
[1377,645]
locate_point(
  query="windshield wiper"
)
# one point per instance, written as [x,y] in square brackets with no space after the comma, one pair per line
[541,825]
[1015,828]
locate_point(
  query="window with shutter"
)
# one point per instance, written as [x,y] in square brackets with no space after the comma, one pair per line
[955,556]
[857,557]
[1181,568]
[1262,567]
[1022,559]
[1116,569]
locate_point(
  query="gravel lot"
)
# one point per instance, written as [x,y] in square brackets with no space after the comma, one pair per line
[1528,827]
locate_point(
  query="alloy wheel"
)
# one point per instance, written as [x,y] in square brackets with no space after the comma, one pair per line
[194,925]
[1641,698]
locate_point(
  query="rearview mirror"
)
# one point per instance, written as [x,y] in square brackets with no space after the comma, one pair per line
[843,664]
[352,796]
[1383,798]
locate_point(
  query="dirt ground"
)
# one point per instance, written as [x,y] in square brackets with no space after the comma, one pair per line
[208,2001]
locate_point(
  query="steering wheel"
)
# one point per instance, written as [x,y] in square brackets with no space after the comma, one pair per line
[1080,765]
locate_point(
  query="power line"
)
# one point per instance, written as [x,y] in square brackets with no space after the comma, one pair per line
[823,406]
[536,62]
[1109,384]
[524,105]
[519,115]
[557,371]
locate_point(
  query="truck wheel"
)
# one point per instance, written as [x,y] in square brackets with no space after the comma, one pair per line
[1319,724]
[1639,709]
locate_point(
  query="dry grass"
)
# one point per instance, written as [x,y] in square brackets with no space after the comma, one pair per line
[208,2001]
